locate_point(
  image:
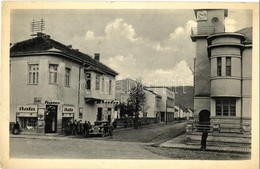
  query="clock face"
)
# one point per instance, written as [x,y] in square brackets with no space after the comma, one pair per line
[202,15]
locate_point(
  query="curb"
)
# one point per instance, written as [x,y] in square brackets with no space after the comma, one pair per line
[209,148]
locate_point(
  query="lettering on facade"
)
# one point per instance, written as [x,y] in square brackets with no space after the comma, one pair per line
[51,102]
[27,108]
[68,109]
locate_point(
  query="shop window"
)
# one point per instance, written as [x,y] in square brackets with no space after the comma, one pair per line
[67,77]
[219,65]
[33,73]
[97,82]
[53,73]
[28,123]
[88,81]
[228,66]
[226,107]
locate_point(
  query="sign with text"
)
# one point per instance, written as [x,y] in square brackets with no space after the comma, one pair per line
[68,109]
[52,102]
[27,108]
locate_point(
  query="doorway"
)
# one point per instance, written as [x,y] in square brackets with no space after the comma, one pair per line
[51,119]
[204,119]
[99,114]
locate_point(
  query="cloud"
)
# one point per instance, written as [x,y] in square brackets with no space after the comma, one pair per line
[155,62]
[116,29]
[178,75]
[179,32]
[120,28]
[125,65]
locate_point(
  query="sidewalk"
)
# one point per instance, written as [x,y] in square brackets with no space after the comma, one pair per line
[61,136]
[176,143]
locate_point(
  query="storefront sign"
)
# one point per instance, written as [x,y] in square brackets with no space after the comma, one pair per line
[68,109]
[52,102]
[81,113]
[27,108]
[67,114]
[26,114]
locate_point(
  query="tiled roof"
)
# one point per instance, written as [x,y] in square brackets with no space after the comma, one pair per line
[44,43]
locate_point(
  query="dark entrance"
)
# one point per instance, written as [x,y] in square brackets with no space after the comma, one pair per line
[204,119]
[109,114]
[51,119]
[99,114]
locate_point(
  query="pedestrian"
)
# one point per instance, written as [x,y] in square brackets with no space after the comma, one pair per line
[85,128]
[79,125]
[204,140]
[16,128]
[110,130]
[74,127]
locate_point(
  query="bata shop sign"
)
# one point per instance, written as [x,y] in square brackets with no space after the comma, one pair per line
[27,108]
[68,109]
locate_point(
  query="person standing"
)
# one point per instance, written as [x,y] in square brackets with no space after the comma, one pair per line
[110,130]
[204,140]
[74,127]
[16,128]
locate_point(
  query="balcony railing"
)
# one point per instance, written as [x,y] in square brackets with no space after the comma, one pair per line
[206,30]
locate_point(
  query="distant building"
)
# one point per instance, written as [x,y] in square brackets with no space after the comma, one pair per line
[52,84]
[159,100]
[223,73]
[166,104]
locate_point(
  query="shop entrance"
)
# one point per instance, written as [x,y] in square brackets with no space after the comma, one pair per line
[99,114]
[51,119]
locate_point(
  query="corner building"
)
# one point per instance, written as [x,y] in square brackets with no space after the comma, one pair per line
[223,74]
[52,84]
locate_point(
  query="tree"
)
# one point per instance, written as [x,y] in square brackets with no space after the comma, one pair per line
[125,109]
[137,101]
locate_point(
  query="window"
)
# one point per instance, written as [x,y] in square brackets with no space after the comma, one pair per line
[67,77]
[110,87]
[53,73]
[33,74]
[97,82]
[219,64]
[226,107]
[228,66]
[88,81]
[103,85]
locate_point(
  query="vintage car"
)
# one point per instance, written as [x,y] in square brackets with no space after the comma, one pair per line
[99,128]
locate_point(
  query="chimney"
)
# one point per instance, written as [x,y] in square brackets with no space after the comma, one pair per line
[69,46]
[97,56]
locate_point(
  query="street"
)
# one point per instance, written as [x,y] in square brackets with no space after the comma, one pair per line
[78,149]
[139,143]
[126,144]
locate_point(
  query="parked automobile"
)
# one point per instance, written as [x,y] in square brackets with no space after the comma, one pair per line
[100,128]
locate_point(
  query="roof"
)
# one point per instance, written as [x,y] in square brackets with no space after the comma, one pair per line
[247,32]
[44,44]
[152,92]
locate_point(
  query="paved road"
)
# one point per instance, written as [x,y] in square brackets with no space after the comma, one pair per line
[126,144]
[78,149]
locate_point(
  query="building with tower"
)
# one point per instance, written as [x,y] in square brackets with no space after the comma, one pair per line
[222,79]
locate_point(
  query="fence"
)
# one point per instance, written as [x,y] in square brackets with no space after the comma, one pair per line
[129,122]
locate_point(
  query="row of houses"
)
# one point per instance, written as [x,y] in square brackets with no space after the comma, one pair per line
[53,84]
[160,101]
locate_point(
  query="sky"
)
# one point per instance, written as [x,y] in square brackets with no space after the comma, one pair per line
[151,45]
